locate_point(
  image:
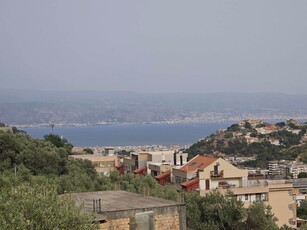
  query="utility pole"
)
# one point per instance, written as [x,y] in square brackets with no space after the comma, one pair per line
[52,126]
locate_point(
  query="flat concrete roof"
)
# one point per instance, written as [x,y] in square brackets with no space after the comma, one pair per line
[94,157]
[118,201]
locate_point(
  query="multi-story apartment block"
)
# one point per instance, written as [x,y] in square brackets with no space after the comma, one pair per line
[294,169]
[221,176]
[139,162]
[206,174]
[277,169]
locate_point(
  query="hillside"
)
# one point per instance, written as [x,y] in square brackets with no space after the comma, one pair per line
[255,138]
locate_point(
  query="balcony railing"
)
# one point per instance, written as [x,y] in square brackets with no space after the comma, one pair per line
[218,174]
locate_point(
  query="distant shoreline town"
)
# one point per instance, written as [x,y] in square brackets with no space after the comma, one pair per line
[205,118]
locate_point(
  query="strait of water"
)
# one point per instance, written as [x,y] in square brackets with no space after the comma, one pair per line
[131,134]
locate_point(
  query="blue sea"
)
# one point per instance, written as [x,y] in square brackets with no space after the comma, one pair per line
[131,134]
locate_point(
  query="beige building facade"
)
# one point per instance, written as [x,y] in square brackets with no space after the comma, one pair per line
[221,176]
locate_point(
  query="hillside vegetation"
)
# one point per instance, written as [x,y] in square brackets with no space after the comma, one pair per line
[265,142]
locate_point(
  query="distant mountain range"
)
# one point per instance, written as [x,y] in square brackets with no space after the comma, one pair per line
[83,107]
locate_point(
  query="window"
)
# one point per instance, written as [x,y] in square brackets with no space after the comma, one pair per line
[154,173]
[246,196]
[178,180]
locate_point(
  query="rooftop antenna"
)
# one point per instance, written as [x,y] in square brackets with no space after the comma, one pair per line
[52,126]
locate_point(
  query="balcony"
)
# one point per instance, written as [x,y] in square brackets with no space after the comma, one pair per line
[217,174]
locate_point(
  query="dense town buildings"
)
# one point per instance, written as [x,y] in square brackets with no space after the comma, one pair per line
[207,173]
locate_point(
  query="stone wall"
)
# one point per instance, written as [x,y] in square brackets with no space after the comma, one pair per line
[119,224]
[167,222]
[159,218]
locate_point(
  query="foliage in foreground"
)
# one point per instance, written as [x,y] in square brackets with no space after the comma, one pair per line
[38,206]
[302,210]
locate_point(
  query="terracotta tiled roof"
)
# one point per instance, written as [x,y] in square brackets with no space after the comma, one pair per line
[190,182]
[140,170]
[163,175]
[198,162]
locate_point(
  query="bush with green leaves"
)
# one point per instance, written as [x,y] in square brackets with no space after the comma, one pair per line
[37,206]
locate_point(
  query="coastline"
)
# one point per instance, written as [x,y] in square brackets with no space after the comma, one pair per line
[183,121]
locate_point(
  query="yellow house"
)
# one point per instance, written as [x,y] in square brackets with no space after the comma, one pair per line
[221,174]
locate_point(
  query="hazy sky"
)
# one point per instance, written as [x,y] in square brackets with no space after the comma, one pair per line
[155,46]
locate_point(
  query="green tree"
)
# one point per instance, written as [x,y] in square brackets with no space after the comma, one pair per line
[261,217]
[81,177]
[28,206]
[302,175]
[302,210]
[58,141]
[225,212]
[41,157]
[88,151]
[248,126]
[193,210]
[280,124]
[214,211]
[293,126]
[228,135]
[234,128]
